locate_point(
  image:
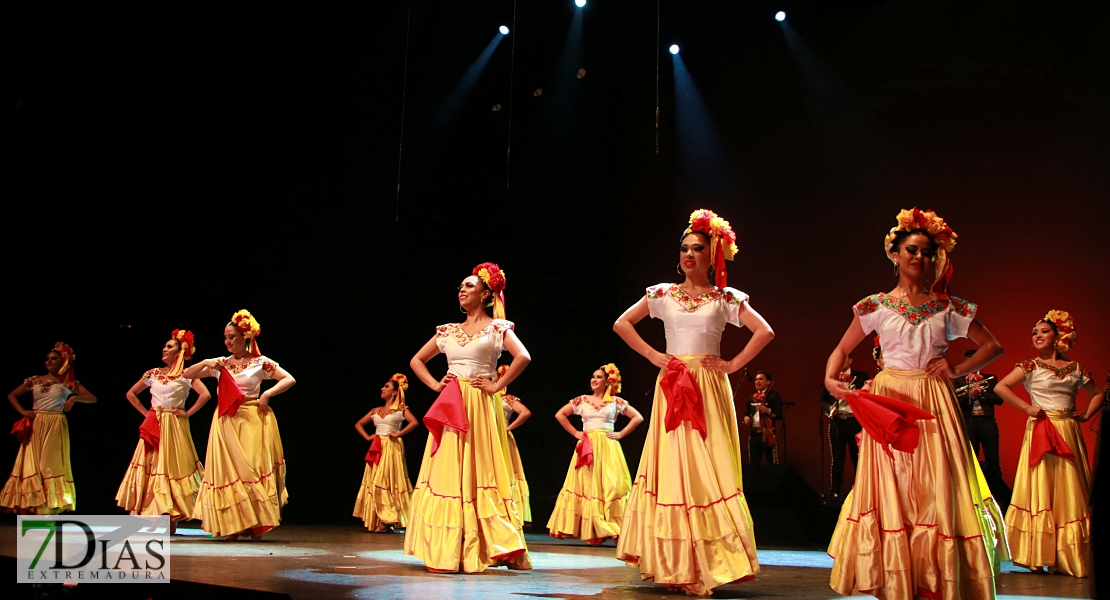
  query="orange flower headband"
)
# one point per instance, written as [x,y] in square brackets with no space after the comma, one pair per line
[63,350]
[494,278]
[722,241]
[188,347]
[613,378]
[402,385]
[943,237]
[245,323]
[1065,329]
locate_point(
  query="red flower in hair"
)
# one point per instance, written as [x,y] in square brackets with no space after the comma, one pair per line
[491,275]
[185,338]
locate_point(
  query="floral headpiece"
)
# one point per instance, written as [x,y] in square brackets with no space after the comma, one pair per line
[1065,329]
[185,339]
[494,278]
[245,323]
[943,237]
[63,350]
[722,241]
[402,385]
[613,378]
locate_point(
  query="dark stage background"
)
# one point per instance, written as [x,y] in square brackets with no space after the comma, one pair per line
[165,166]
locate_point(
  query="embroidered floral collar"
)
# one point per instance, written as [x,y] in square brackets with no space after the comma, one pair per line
[590,400]
[44,384]
[236,369]
[1059,372]
[693,303]
[163,378]
[461,337]
[915,315]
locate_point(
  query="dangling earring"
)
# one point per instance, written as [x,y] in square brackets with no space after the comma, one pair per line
[678,268]
[462,310]
[895,269]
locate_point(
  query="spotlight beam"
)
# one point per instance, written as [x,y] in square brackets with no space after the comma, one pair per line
[462,89]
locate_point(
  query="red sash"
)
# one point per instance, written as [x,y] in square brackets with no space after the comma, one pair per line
[228,394]
[888,421]
[374,454]
[1047,440]
[150,432]
[22,430]
[447,411]
[585,451]
[683,398]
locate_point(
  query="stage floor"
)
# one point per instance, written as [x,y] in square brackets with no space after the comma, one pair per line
[348,562]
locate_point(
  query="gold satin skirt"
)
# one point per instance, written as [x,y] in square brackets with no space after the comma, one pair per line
[243,489]
[521,495]
[999,546]
[591,504]
[1048,518]
[687,521]
[913,525]
[41,482]
[384,496]
[463,513]
[163,481]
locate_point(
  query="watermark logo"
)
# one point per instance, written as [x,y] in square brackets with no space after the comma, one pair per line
[92,549]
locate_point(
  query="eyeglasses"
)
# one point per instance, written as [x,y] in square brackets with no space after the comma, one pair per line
[926,252]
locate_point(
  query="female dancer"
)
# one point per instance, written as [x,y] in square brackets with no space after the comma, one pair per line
[687,523]
[1048,519]
[383,500]
[243,490]
[913,526]
[591,504]
[511,405]
[464,516]
[165,472]
[42,478]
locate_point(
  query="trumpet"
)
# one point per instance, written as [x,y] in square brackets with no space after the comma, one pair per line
[963,389]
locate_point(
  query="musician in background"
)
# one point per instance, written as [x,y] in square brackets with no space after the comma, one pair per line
[975,392]
[843,425]
[764,408]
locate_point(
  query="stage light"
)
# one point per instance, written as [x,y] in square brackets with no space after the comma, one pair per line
[504,30]
[674,48]
[580,3]
[780,16]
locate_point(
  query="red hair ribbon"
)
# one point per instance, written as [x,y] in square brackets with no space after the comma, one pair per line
[228,394]
[1047,440]
[889,422]
[683,398]
[447,411]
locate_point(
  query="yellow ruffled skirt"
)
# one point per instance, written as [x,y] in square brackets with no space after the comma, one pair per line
[243,489]
[521,495]
[163,481]
[687,521]
[1048,517]
[41,482]
[463,515]
[591,504]
[998,545]
[913,525]
[384,496]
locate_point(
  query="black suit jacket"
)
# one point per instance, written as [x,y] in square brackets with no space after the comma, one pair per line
[773,401]
[827,399]
[988,399]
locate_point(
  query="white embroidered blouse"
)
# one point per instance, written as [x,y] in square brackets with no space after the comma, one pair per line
[472,355]
[391,422]
[49,394]
[694,325]
[1053,388]
[911,336]
[167,392]
[594,416]
[249,375]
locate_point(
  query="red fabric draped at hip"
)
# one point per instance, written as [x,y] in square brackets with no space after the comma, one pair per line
[684,401]
[22,430]
[228,394]
[585,451]
[888,421]
[150,432]
[374,454]
[1047,440]
[447,411]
